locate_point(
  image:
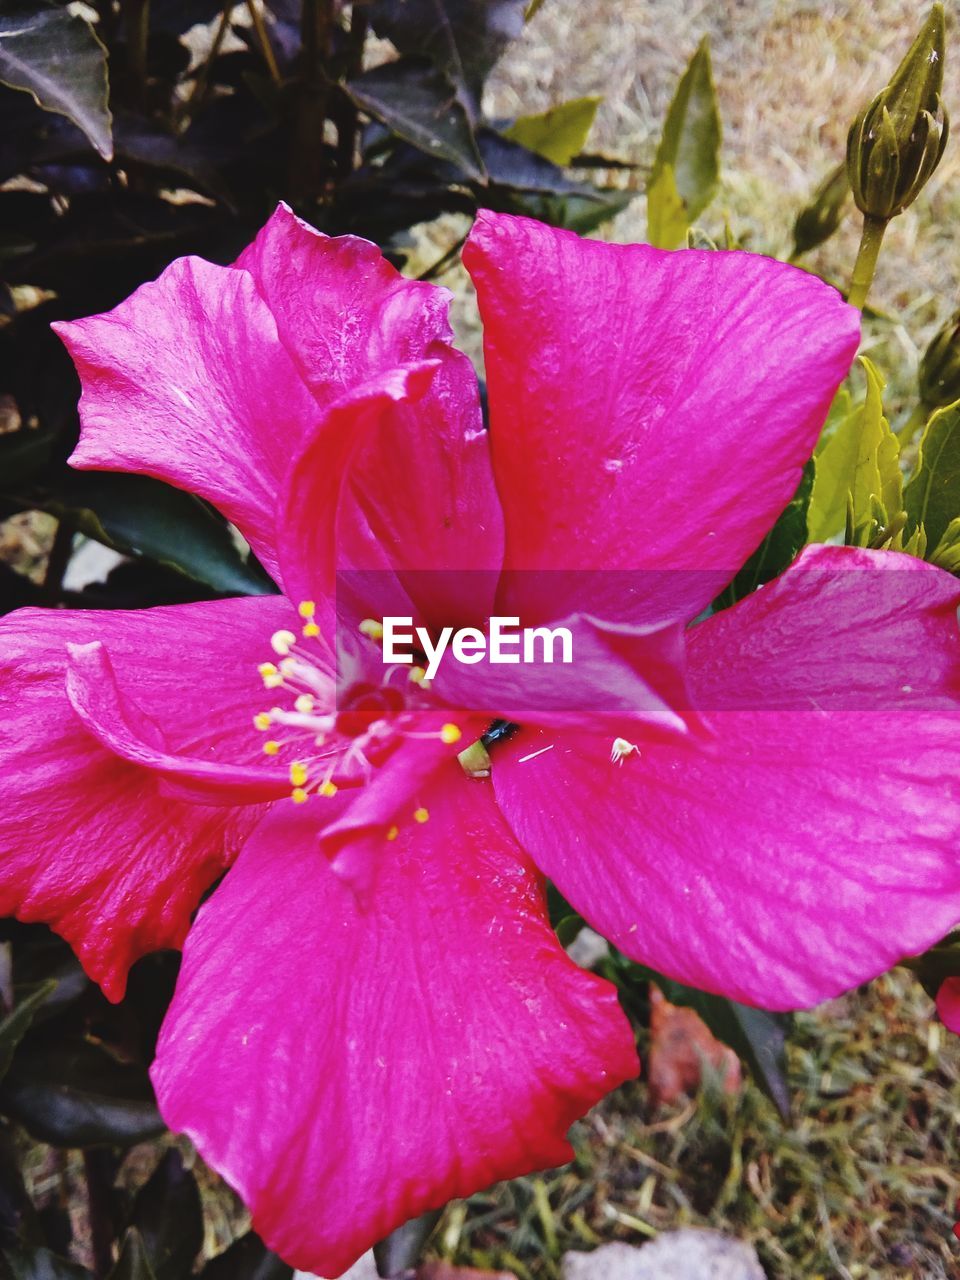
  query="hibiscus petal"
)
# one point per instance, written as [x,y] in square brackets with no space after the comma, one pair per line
[648,410]
[348,1069]
[187,381]
[343,312]
[406,466]
[815,841]
[89,842]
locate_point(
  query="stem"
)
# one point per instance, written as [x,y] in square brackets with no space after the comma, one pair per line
[866,263]
[307,160]
[99,1167]
[136,15]
[263,39]
[57,561]
[199,91]
[348,117]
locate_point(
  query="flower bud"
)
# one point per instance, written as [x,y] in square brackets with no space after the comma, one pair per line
[939,374]
[823,215]
[896,142]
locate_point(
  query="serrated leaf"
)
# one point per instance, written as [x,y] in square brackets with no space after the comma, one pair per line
[946,553]
[168,1216]
[558,134]
[133,1263]
[779,547]
[142,516]
[877,476]
[858,478]
[667,221]
[55,55]
[932,498]
[16,1024]
[419,103]
[690,143]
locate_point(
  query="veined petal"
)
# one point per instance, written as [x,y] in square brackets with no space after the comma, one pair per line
[358,1067]
[343,312]
[405,466]
[91,843]
[188,381]
[648,410]
[815,841]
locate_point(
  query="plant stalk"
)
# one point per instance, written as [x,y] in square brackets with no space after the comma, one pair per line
[866,264]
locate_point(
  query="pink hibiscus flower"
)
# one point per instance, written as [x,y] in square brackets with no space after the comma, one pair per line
[373,1014]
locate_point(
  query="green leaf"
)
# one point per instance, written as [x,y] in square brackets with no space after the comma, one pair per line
[690,143]
[247,1259]
[169,1218]
[133,1263]
[667,222]
[932,498]
[41,1264]
[420,103]
[858,479]
[16,1024]
[779,547]
[558,134]
[142,516]
[757,1037]
[73,1094]
[55,55]
[946,553]
[937,964]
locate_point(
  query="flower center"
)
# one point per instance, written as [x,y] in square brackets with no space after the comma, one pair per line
[331,738]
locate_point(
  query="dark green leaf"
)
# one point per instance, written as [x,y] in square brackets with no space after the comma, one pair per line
[757,1037]
[937,964]
[247,1259]
[55,55]
[169,1218]
[690,144]
[421,104]
[41,1264]
[73,1094]
[399,1252]
[464,38]
[778,548]
[140,515]
[133,1263]
[932,498]
[16,1024]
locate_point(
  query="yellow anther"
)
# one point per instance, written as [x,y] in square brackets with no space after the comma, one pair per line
[327,788]
[267,669]
[304,704]
[417,675]
[421,815]
[310,630]
[299,796]
[372,628]
[306,608]
[393,833]
[281,641]
[261,720]
[298,773]
[450,733]
[270,747]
